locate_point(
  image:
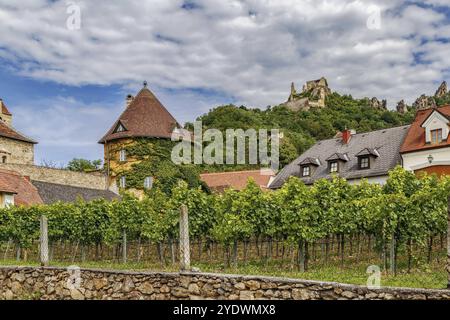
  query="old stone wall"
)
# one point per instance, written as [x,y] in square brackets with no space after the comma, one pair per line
[59,176]
[60,283]
[17,151]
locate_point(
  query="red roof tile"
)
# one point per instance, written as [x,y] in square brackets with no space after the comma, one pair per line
[415,138]
[237,180]
[24,192]
[144,117]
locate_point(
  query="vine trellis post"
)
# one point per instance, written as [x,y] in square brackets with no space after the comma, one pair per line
[185,256]
[43,243]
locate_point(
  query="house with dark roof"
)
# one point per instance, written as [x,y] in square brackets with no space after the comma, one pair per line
[144,117]
[350,155]
[53,192]
[427,145]
[15,147]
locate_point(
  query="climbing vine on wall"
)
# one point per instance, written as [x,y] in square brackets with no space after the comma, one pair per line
[150,157]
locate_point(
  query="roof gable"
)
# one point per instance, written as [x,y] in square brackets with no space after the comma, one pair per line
[416,138]
[144,117]
[435,114]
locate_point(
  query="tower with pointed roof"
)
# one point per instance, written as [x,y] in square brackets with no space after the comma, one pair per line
[137,140]
[15,147]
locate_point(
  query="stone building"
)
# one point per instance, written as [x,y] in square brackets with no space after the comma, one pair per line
[313,94]
[15,147]
[144,119]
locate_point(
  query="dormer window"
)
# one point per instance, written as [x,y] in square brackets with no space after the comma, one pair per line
[335,160]
[436,136]
[436,127]
[306,171]
[308,166]
[333,166]
[120,128]
[364,162]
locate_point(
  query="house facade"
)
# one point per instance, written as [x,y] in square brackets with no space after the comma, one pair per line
[426,147]
[350,155]
[134,139]
[15,147]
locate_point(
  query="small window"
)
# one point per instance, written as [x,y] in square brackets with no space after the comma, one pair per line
[364,162]
[119,128]
[4,159]
[334,166]
[436,136]
[123,182]
[306,171]
[122,155]
[148,182]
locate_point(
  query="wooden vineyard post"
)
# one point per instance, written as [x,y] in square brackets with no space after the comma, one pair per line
[185,257]
[44,241]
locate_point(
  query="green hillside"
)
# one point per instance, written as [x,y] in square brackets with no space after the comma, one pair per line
[302,128]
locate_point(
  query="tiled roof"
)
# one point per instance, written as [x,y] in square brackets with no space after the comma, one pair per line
[4,108]
[24,192]
[237,180]
[415,140]
[387,142]
[144,117]
[8,132]
[52,192]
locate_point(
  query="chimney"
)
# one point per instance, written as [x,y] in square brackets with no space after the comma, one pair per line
[347,135]
[129,99]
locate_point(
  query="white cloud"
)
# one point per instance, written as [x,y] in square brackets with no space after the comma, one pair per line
[251,49]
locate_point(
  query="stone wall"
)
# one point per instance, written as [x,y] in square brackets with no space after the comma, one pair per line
[59,283]
[59,176]
[17,151]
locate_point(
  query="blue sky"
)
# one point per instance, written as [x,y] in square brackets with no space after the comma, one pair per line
[66,86]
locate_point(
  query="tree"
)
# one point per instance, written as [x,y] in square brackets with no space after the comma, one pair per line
[83,165]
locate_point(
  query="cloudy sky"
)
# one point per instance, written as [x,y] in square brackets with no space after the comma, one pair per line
[65,79]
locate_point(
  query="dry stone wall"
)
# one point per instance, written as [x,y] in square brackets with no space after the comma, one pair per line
[60,283]
[59,176]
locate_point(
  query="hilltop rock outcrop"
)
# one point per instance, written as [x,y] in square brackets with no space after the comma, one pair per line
[424,102]
[442,90]
[402,107]
[313,94]
[377,104]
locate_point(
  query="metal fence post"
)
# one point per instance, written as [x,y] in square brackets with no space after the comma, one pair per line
[44,241]
[185,252]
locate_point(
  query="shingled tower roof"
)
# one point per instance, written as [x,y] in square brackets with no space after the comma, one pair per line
[144,117]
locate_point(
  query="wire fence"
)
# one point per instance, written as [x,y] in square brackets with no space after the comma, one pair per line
[326,252]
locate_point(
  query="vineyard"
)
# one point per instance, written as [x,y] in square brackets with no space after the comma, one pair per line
[296,226]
